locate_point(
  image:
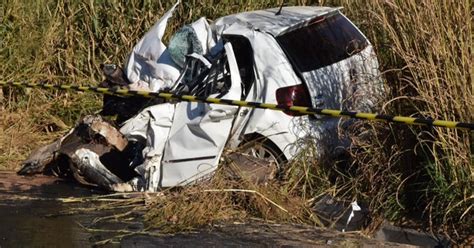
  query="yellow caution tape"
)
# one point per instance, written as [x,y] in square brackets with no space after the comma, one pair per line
[298,109]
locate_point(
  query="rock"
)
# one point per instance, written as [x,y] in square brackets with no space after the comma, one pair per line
[391,233]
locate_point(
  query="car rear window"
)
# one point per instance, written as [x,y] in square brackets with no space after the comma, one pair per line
[323,42]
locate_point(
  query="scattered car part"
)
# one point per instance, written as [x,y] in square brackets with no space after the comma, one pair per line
[94,153]
[40,158]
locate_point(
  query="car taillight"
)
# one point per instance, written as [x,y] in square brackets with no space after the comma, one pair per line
[296,95]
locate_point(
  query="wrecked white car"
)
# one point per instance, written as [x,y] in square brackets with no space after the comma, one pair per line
[302,56]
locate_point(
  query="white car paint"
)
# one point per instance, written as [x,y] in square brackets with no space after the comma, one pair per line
[188,141]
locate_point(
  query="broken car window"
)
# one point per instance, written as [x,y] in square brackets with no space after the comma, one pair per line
[323,42]
[184,42]
[204,78]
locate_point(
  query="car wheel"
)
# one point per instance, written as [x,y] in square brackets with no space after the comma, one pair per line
[264,149]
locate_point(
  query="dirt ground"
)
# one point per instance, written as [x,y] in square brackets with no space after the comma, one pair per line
[29,207]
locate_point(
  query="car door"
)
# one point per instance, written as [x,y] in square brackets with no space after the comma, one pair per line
[199,133]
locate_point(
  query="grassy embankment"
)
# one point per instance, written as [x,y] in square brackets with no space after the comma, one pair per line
[425,49]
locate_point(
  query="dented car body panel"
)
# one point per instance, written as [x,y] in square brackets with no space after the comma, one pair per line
[263,50]
[246,56]
[199,133]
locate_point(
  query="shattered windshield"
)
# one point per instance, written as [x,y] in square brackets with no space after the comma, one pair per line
[184,42]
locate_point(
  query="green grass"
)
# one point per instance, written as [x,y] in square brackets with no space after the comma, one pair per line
[424,47]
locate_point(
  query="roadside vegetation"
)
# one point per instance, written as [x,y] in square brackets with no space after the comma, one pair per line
[415,176]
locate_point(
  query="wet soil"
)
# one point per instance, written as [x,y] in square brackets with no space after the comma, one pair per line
[29,208]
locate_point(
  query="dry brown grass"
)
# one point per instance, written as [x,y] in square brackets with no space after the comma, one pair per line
[222,199]
[424,46]
[423,173]
[65,42]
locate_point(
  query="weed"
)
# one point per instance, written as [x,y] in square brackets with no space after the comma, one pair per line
[424,46]
[223,199]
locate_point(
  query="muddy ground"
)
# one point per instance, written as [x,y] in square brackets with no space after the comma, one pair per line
[33,213]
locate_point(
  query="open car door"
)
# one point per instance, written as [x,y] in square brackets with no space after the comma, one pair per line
[200,130]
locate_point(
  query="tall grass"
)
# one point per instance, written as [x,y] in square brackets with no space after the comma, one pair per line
[65,42]
[429,43]
[425,49]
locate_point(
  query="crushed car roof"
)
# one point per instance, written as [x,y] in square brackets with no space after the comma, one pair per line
[268,21]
